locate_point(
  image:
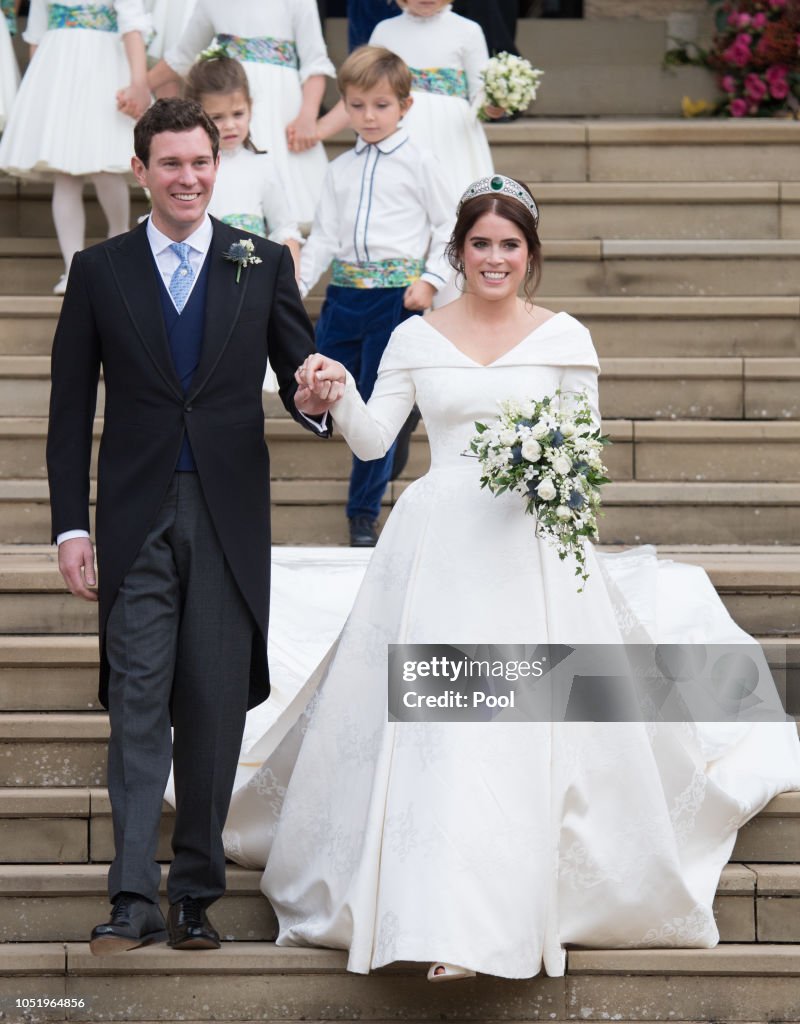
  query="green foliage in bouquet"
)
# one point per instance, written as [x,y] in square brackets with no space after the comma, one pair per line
[549,451]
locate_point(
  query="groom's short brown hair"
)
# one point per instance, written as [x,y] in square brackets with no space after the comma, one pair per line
[171,115]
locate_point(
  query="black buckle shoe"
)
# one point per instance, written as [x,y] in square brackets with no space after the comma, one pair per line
[189,927]
[363,532]
[134,922]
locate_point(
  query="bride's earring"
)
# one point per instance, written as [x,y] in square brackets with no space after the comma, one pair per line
[462,284]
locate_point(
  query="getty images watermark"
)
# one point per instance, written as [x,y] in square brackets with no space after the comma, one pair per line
[591,683]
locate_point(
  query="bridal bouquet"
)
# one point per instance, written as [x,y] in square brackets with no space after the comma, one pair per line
[510,82]
[552,456]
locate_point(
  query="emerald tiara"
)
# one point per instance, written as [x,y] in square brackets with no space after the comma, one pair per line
[500,185]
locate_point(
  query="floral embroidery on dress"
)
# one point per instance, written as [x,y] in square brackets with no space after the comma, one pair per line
[683,812]
[386,941]
[395,273]
[247,222]
[260,50]
[697,929]
[98,17]
[440,81]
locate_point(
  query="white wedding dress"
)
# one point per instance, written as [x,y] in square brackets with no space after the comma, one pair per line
[492,845]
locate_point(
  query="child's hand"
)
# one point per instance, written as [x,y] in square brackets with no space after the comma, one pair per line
[493,113]
[134,100]
[301,134]
[419,295]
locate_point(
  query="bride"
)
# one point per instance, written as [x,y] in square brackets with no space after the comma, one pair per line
[490,847]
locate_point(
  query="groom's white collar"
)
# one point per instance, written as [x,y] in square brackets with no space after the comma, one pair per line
[199,240]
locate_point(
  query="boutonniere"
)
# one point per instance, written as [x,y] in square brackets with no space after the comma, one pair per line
[241,253]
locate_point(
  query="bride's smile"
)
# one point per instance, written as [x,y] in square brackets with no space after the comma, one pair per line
[495,258]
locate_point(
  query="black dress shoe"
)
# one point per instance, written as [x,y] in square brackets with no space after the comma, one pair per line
[134,922]
[189,927]
[363,532]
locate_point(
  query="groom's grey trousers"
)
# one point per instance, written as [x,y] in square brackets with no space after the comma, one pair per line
[179,637]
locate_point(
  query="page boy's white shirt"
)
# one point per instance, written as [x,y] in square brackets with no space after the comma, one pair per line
[381,201]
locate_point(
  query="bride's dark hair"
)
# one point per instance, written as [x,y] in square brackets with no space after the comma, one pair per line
[510,209]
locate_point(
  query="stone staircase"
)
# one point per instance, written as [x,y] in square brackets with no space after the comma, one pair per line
[678,244]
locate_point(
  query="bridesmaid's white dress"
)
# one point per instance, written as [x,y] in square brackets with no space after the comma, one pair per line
[487,845]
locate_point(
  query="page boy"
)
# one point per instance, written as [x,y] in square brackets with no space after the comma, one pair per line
[383,221]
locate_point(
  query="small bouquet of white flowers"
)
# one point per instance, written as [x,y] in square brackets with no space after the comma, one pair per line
[552,456]
[510,82]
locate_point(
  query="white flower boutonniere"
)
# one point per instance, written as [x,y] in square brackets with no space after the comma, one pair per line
[241,253]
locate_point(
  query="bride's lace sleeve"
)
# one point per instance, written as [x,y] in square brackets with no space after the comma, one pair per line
[370,429]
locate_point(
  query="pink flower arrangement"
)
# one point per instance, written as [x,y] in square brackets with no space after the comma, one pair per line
[756,56]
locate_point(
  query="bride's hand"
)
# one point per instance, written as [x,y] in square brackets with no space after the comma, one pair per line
[321,383]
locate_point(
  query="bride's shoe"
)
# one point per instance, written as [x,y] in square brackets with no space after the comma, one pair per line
[441,971]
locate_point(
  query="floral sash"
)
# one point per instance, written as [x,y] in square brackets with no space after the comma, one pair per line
[395,273]
[441,81]
[261,50]
[94,16]
[247,222]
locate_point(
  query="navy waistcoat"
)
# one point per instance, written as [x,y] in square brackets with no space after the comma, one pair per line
[185,336]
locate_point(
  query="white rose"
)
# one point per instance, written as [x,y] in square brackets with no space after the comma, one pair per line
[562,465]
[538,430]
[562,512]
[546,490]
[508,437]
[567,429]
[531,450]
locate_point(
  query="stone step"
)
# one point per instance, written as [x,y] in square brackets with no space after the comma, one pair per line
[732,209]
[47,825]
[649,210]
[56,750]
[59,672]
[62,902]
[259,981]
[636,150]
[635,511]
[25,209]
[631,387]
[645,450]
[579,267]
[638,326]
[629,150]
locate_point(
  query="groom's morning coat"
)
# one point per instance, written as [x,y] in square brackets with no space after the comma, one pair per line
[112,318]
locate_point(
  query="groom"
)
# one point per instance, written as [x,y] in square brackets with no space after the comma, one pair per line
[182,332]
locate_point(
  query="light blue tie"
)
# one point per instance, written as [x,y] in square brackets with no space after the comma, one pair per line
[181,282]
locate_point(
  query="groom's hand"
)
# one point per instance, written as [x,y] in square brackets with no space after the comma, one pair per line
[76,565]
[320,384]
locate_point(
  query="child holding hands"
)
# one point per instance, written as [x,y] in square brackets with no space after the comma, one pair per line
[383,222]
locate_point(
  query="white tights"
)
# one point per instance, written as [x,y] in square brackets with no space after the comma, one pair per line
[69,215]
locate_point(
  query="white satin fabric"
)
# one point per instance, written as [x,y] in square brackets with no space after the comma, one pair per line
[487,845]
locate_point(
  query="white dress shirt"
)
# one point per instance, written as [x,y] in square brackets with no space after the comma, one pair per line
[167,261]
[381,201]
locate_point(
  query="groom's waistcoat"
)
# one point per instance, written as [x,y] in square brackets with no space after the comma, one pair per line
[185,335]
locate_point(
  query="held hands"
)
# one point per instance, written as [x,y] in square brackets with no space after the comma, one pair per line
[301,134]
[76,565]
[134,100]
[419,295]
[321,383]
[493,113]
